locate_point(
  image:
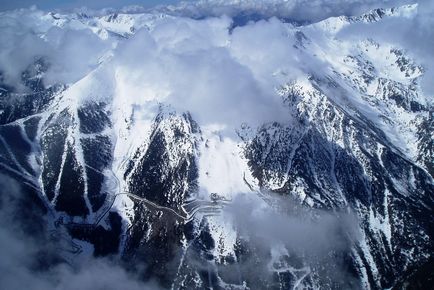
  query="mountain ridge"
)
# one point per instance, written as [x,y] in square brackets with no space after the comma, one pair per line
[353,147]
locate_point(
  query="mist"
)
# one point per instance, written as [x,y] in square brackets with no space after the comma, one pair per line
[223,74]
[32,259]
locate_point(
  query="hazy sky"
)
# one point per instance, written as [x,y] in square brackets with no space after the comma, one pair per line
[66,4]
[339,5]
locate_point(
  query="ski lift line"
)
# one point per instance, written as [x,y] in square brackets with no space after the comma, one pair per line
[94,169]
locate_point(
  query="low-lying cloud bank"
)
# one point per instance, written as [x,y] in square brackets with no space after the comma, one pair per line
[288,236]
[30,259]
[71,51]
[280,220]
[300,11]
[199,66]
[203,66]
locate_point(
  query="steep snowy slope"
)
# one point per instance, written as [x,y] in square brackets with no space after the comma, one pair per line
[206,159]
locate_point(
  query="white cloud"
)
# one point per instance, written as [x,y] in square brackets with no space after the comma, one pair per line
[72,50]
[219,73]
[415,34]
[292,10]
[304,231]
[200,67]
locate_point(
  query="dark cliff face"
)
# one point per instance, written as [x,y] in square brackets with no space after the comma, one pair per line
[166,172]
[426,143]
[334,161]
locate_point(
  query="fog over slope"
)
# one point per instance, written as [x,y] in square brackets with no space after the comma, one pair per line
[255,58]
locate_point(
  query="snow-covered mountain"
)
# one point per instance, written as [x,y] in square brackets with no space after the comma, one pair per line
[206,154]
